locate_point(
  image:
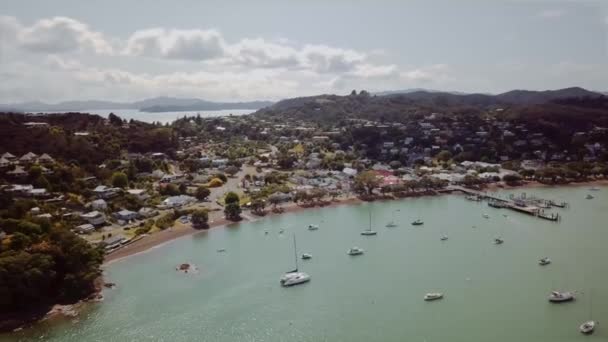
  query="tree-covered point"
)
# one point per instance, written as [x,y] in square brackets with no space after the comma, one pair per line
[41,265]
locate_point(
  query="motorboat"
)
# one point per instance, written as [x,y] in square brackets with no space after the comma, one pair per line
[369,231]
[306,256]
[391,225]
[544,261]
[432,296]
[355,251]
[221,250]
[313,227]
[444,238]
[589,196]
[294,277]
[560,297]
[418,222]
[498,241]
[486,216]
[587,327]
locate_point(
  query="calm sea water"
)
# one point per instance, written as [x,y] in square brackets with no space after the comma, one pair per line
[493,293]
[165,116]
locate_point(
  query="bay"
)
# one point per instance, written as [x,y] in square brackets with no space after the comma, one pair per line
[492,293]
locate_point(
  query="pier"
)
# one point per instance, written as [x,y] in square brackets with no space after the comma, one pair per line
[527,205]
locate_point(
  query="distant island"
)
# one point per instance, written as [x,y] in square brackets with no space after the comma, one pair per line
[152,105]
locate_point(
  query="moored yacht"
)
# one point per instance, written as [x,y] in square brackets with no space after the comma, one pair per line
[444,238]
[355,251]
[498,241]
[544,261]
[313,227]
[391,225]
[418,222]
[294,277]
[589,196]
[369,231]
[433,296]
[486,216]
[560,297]
[588,327]
[306,256]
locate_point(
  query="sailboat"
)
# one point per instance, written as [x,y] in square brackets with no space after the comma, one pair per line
[392,223]
[589,326]
[294,277]
[369,231]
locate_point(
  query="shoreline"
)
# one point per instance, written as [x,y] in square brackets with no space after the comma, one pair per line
[163,237]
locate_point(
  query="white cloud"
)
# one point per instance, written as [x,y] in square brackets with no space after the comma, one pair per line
[61,34]
[177,44]
[552,13]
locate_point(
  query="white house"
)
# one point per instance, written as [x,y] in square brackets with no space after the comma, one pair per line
[140,194]
[178,201]
[103,191]
[94,217]
[99,204]
[126,215]
[84,228]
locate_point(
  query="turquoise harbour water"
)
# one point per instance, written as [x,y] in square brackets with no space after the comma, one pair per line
[492,293]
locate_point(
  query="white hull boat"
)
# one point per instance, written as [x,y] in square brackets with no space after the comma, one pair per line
[561,297]
[355,251]
[588,327]
[432,296]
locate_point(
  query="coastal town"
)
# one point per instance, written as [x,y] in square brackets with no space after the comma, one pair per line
[272,165]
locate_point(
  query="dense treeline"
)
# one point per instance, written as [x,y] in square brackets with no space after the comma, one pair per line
[41,265]
[106,138]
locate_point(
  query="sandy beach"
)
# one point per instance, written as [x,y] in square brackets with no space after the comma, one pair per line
[216,220]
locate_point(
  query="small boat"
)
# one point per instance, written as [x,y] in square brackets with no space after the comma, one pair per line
[281,231]
[432,296]
[473,198]
[294,277]
[544,261]
[418,222]
[589,196]
[265,232]
[221,250]
[444,238]
[560,297]
[391,225]
[313,227]
[498,241]
[306,256]
[486,216]
[369,231]
[355,251]
[588,327]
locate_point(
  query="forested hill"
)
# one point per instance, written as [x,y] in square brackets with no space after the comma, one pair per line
[84,138]
[396,107]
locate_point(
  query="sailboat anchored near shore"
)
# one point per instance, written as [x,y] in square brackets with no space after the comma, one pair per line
[369,231]
[294,277]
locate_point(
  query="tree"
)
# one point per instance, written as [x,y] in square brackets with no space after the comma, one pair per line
[285,161]
[114,119]
[183,189]
[257,206]
[366,182]
[120,180]
[201,193]
[444,155]
[200,218]
[231,170]
[231,197]
[233,211]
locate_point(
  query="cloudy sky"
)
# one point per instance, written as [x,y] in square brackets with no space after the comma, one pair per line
[123,50]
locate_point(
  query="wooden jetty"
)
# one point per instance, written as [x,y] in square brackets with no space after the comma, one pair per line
[517,204]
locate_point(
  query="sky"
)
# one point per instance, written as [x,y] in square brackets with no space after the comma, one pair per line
[229,50]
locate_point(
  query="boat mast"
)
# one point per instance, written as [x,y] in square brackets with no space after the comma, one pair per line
[295,251]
